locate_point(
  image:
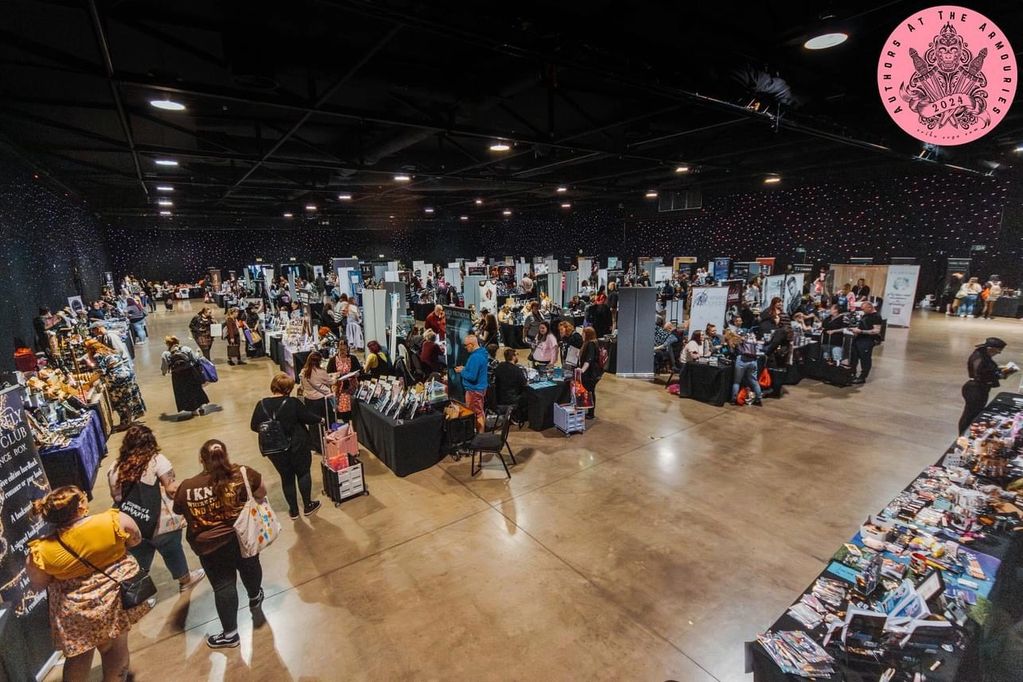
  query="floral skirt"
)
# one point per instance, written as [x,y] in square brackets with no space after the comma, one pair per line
[86,612]
[126,399]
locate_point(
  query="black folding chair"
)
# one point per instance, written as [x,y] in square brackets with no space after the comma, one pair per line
[493,443]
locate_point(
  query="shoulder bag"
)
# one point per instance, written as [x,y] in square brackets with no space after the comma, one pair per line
[257,525]
[134,590]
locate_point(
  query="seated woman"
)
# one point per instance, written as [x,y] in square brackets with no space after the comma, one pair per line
[799,319]
[694,349]
[378,364]
[431,355]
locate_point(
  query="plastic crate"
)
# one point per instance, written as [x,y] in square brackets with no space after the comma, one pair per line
[342,484]
[569,419]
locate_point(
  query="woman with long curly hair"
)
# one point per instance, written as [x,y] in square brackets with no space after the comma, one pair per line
[211,503]
[142,484]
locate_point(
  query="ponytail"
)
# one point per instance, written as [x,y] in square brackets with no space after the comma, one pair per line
[216,463]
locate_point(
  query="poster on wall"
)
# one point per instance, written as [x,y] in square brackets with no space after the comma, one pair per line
[721,268]
[683,263]
[899,294]
[772,288]
[709,306]
[488,296]
[734,287]
[75,303]
[740,270]
[613,263]
[766,265]
[793,292]
[317,271]
[458,326]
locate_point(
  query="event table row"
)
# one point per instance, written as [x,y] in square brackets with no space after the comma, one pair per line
[712,384]
[77,463]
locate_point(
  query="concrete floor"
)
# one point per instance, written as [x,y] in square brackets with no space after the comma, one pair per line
[649,548]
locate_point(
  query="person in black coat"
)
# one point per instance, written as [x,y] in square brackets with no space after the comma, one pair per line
[294,464]
[984,375]
[599,317]
[510,384]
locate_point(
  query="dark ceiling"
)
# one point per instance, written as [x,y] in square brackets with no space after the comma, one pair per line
[295,103]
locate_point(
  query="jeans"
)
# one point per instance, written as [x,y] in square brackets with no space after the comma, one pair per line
[835,352]
[169,547]
[745,372]
[967,304]
[140,330]
[294,467]
[223,566]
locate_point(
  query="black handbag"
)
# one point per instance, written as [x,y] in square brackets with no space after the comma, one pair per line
[135,590]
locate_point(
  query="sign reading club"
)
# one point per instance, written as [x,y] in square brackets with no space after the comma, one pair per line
[947,75]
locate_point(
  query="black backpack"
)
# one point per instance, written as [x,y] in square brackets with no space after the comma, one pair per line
[272,438]
[179,361]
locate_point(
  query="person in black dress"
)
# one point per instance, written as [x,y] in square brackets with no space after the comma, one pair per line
[866,335]
[589,363]
[186,379]
[984,375]
[294,464]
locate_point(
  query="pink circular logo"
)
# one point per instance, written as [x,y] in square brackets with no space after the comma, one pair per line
[947,75]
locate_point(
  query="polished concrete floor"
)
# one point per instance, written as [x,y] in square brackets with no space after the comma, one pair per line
[649,548]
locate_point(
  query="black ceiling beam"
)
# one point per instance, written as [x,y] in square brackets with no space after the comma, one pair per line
[173,41]
[55,54]
[108,65]
[322,100]
[61,125]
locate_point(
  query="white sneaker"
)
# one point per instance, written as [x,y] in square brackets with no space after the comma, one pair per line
[194,578]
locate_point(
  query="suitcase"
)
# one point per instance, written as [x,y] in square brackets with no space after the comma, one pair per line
[344,483]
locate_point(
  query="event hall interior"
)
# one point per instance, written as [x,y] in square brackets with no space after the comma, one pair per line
[450,340]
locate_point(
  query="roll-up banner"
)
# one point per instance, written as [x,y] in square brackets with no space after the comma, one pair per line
[773,286]
[793,292]
[721,268]
[488,296]
[899,294]
[458,325]
[709,305]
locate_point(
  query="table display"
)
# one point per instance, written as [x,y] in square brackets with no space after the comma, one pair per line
[541,397]
[708,383]
[76,462]
[921,588]
[405,446]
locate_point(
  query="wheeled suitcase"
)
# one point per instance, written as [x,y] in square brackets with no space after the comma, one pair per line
[344,483]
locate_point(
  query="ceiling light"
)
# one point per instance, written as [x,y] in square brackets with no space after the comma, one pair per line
[566,205]
[166,162]
[479,202]
[682,169]
[825,40]
[288,215]
[310,207]
[651,194]
[463,217]
[167,104]
[1018,149]
[428,210]
[165,212]
[561,189]
[391,217]
[401,177]
[380,256]
[165,202]
[771,180]
[506,211]
[344,197]
[500,147]
[164,188]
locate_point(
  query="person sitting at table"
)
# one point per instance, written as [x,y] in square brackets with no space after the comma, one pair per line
[694,349]
[861,291]
[510,385]
[545,346]
[832,336]
[799,320]
[667,348]
[378,363]
[736,326]
[431,355]
[435,321]
[570,338]
[711,340]
[585,290]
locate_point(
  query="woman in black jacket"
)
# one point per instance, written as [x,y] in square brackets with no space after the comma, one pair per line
[293,464]
[589,365]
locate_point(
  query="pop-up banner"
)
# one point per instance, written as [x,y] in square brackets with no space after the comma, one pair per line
[899,294]
[709,305]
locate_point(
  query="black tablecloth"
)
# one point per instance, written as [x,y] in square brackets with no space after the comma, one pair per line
[511,336]
[809,362]
[275,349]
[1006,306]
[706,383]
[540,404]
[405,448]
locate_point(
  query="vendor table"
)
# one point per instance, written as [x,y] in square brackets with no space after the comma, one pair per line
[1000,553]
[808,362]
[540,399]
[77,463]
[511,336]
[1007,306]
[706,383]
[274,348]
[406,447]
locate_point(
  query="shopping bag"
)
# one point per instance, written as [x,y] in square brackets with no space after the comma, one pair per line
[216,330]
[209,371]
[257,525]
[583,399]
[765,378]
[742,396]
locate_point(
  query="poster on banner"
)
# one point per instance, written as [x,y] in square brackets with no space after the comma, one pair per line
[661,274]
[899,294]
[709,306]
[766,265]
[458,325]
[740,270]
[772,288]
[488,296]
[476,270]
[721,268]
[793,292]
[683,263]
[734,287]
[613,263]
[75,303]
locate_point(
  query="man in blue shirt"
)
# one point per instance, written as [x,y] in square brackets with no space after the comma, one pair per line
[474,378]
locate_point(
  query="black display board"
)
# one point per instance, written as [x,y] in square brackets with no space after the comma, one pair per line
[457,325]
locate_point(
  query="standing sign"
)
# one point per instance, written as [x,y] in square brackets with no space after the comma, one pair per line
[899,294]
[721,268]
[488,296]
[458,325]
[957,266]
[709,305]
[793,292]
[772,288]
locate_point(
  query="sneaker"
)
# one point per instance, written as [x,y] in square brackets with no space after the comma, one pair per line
[758,402]
[223,642]
[293,514]
[312,508]
[194,578]
[257,601]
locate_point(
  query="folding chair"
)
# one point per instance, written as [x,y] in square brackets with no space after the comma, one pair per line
[492,443]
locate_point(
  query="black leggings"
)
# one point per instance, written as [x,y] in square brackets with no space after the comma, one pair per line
[222,567]
[295,467]
[591,386]
[975,396]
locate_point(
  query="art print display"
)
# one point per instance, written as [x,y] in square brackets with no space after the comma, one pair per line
[459,325]
[899,294]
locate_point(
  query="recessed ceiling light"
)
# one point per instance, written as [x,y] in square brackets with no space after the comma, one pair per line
[288,215]
[167,104]
[165,212]
[1018,149]
[380,256]
[164,188]
[165,202]
[344,197]
[771,180]
[166,162]
[825,40]
[682,169]
[500,147]
[561,189]
[428,210]
[463,217]
[391,217]
[479,202]
[310,207]
[566,205]
[651,194]
[401,177]
[506,211]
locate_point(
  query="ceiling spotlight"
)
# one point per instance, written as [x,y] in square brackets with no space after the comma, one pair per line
[344,197]
[825,40]
[479,202]
[428,210]
[380,256]
[651,194]
[1018,149]
[165,202]
[310,207]
[164,188]
[463,217]
[561,189]
[500,147]
[771,180]
[566,205]
[166,162]
[391,217]
[401,177]
[165,212]
[288,215]
[682,169]
[167,104]
[506,211]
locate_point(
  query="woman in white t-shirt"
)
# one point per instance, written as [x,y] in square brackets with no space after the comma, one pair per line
[142,485]
[694,349]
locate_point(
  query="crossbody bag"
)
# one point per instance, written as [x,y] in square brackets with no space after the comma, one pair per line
[134,590]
